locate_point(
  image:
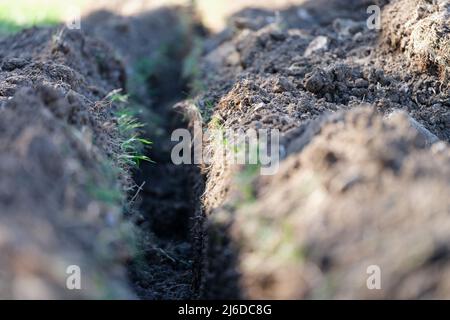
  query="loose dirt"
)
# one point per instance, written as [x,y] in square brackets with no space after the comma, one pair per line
[59,193]
[364,175]
[346,176]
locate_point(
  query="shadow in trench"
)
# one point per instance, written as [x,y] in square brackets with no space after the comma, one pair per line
[153,46]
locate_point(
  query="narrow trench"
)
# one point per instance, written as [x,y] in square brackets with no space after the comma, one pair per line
[163,267]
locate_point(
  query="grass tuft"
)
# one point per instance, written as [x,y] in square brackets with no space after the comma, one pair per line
[132,145]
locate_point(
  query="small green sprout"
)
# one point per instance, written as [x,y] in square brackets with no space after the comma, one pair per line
[132,144]
[117,97]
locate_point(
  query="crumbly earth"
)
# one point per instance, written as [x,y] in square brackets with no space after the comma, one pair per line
[364,175]
[363,191]
[67,197]
[60,195]
[347,183]
[421,30]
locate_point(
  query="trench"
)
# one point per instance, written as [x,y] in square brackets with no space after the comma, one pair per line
[163,268]
[169,209]
[171,259]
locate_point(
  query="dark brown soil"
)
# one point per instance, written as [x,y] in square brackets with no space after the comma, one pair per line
[70,151]
[163,267]
[364,176]
[363,191]
[355,172]
[58,153]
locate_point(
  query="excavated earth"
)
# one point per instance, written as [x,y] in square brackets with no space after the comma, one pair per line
[363,179]
[59,150]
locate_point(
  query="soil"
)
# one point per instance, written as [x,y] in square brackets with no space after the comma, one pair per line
[58,137]
[364,175]
[163,268]
[63,77]
[286,74]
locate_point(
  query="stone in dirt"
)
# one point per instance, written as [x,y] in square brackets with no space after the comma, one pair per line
[319,43]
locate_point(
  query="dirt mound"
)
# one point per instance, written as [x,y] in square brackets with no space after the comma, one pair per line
[365,191]
[69,142]
[60,193]
[264,79]
[421,30]
[283,75]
